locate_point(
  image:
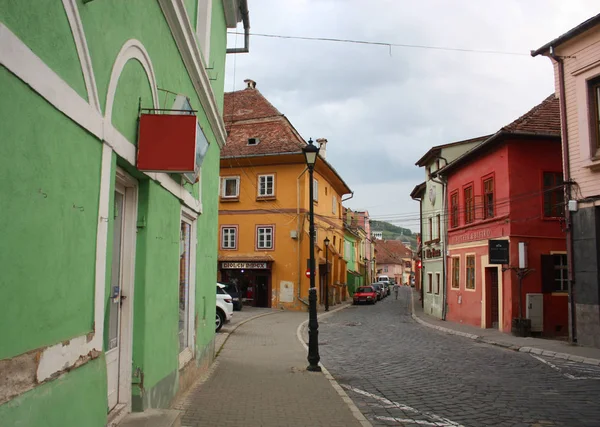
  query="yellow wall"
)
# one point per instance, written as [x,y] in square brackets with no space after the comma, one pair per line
[287,212]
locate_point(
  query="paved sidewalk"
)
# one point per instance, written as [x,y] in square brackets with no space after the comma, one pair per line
[259,379]
[545,347]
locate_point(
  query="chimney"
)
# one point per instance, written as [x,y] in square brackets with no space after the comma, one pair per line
[323,147]
[250,84]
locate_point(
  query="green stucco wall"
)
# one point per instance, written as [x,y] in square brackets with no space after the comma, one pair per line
[157,284]
[75,399]
[43,31]
[50,173]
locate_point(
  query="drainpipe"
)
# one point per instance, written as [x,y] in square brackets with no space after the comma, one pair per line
[246,21]
[567,189]
[443,182]
[299,230]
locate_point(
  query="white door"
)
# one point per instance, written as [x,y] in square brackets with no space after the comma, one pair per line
[118,346]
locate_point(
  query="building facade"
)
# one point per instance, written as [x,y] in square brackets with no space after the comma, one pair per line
[497,193]
[575,56]
[108,267]
[433,224]
[352,242]
[367,259]
[264,206]
[394,260]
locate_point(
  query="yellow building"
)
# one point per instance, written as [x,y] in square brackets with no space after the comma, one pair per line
[263,208]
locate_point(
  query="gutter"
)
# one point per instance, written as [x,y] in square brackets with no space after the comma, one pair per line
[246,20]
[567,189]
[443,182]
[300,236]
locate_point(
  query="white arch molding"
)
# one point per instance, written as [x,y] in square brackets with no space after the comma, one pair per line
[83,52]
[132,49]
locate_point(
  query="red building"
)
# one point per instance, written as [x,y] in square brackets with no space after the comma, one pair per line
[509,188]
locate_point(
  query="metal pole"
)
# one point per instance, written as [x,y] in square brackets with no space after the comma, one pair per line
[520,276]
[313,325]
[326,278]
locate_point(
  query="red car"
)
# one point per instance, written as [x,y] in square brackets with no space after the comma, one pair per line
[365,294]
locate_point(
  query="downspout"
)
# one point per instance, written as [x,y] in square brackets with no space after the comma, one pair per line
[246,21]
[299,230]
[443,182]
[567,189]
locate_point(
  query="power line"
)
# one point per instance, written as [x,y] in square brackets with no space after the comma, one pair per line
[389,45]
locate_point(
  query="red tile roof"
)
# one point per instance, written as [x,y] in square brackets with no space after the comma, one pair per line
[391,251]
[542,119]
[247,104]
[248,114]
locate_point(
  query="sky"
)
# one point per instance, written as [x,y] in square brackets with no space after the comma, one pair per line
[382,108]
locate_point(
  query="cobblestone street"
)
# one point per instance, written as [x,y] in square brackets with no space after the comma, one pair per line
[403,374]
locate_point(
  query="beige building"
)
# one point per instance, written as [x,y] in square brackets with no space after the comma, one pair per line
[576,59]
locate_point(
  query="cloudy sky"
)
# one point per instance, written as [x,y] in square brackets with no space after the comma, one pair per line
[381,109]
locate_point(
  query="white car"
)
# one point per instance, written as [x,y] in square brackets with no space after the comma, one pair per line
[224,307]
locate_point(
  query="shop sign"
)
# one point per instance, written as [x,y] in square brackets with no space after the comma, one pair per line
[498,252]
[248,265]
[471,236]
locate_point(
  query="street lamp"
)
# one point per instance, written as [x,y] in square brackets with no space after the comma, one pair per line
[326,241]
[311,153]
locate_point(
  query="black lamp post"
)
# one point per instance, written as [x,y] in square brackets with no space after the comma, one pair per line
[311,153]
[326,241]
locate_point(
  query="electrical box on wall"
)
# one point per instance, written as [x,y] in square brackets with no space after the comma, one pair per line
[572,206]
[293,234]
[534,311]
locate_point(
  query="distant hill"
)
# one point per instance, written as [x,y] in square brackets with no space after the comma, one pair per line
[393,232]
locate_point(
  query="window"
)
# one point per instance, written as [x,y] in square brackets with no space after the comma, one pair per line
[555,273]
[469,205]
[385,269]
[454,209]
[430,228]
[594,86]
[437,283]
[264,237]
[203,29]
[553,195]
[456,272]
[438,220]
[488,198]
[266,185]
[253,141]
[429,282]
[315,190]
[230,187]
[334,205]
[470,272]
[228,237]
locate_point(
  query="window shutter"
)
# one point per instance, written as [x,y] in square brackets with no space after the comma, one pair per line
[547,273]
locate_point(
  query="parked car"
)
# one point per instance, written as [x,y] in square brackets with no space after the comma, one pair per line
[233,290]
[379,289]
[366,294]
[224,307]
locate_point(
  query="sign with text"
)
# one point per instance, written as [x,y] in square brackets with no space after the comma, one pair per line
[498,252]
[240,265]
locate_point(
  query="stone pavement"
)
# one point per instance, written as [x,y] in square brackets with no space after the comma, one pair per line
[259,379]
[546,347]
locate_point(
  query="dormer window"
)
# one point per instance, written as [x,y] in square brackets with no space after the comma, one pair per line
[253,141]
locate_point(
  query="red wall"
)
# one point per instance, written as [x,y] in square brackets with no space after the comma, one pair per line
[517,167]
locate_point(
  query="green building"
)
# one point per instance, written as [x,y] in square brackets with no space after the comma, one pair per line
[107,291]
[432,196]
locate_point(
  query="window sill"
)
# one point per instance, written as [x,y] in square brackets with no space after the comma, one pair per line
[553,218]
[265,198]
[229,249]
[592,163]
[229,199]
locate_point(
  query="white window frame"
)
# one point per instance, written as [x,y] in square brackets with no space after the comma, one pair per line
[260,228]
[187,354]
[203,28]
[224,187]
[315,190]
[259,189]
[235,236]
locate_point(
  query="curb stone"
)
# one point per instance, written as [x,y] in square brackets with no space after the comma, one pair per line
[353,408]
[524,349]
